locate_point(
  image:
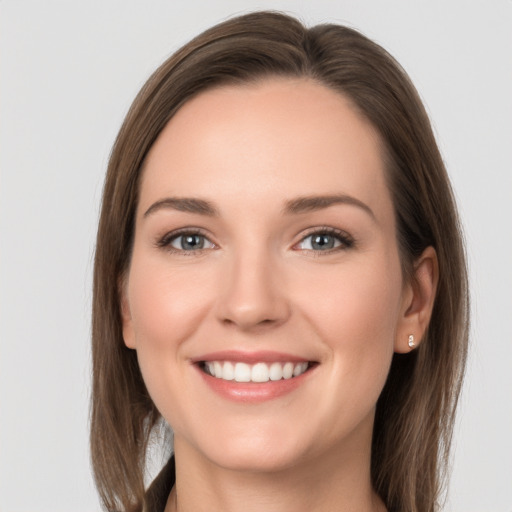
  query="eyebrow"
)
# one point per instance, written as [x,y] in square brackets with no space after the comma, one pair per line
[296,206]
[184,204]
[307,204]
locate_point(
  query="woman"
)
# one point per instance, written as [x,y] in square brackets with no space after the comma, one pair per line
[279,276]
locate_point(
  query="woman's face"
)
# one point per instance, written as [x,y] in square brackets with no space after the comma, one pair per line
[265,246]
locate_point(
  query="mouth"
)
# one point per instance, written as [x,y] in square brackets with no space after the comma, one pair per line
[258,372]
[253,377]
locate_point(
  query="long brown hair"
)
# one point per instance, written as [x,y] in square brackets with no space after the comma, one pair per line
[415,412]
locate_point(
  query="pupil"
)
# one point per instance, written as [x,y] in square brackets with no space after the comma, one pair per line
[189,242]
[322,242]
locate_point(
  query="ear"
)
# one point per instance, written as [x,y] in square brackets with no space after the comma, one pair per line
[417,302]
[126,315]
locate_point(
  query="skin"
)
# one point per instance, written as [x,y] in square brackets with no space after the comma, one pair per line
[258,284]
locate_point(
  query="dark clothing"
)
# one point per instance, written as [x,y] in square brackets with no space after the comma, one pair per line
[160,488]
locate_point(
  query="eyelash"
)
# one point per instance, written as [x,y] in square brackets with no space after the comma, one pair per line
[166,241]
[345,241]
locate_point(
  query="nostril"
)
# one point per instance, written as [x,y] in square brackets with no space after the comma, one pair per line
[250,297]
[249,323]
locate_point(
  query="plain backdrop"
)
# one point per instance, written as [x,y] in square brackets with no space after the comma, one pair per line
[68,72]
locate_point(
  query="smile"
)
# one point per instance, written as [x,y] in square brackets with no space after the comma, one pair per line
[258,372]
[253,377]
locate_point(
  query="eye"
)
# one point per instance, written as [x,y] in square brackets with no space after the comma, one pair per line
[186,241]
[325,240]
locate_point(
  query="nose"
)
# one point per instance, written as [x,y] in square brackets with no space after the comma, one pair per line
[252,294]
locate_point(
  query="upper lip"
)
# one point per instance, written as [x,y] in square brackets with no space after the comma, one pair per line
[261,356]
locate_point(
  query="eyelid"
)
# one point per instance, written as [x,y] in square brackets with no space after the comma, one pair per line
[164,242]
[347,241]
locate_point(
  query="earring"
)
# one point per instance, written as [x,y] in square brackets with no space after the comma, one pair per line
[411,341]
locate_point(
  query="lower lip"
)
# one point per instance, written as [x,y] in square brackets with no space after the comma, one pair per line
[253,392]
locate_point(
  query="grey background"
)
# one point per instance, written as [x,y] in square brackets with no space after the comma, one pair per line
[68,72]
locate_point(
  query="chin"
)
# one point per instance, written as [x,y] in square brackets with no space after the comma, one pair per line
[252,453]
[256,460]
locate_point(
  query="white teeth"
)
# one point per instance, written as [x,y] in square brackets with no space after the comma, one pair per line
[228,371]
[299,368]
[242,373]
[259,372]
[288,370]
[276,371]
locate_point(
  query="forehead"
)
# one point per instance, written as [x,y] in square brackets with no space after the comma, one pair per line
[277,137]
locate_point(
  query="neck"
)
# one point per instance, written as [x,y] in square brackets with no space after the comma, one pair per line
[338,481]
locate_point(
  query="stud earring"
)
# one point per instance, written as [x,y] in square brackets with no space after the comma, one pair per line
[411,341]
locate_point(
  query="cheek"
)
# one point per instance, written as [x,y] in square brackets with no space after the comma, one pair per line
[165,304]
[166,308]
[356,313]
[363,300]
